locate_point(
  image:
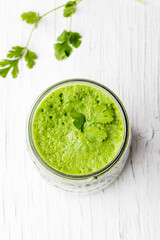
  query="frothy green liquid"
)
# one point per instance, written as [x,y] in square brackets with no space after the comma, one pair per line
[61,144]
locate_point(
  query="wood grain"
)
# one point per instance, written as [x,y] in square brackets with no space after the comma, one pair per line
[121,49]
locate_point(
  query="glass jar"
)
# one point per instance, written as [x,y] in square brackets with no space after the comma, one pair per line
[88,182]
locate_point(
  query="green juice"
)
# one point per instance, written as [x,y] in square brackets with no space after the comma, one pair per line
[73,145]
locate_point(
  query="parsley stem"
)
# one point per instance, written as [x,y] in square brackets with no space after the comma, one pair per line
[30,36]
[77,1]
[70,23]
[52,10]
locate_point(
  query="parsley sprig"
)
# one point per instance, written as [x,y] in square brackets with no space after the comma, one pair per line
[103,114]
[96,133]
[95,129]
[66,40]
[17,53]
[79,120]
[63,48]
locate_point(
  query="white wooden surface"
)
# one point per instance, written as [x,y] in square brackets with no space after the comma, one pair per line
[121,49]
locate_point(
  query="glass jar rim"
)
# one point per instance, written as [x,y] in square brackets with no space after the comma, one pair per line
[29,128]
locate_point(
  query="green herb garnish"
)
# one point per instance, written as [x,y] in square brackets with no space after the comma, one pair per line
[69,8]
[17,53]
[95,133]
[30,17]
[30,58]
[103,114]
[95,129]
[79,120]
[63,48]
[7,66]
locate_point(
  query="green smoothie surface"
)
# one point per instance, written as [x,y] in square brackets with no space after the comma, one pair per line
[78,129]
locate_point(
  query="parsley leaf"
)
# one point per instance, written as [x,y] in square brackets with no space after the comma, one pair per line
[30,58]
[5,62]
[15,69]
[69,8]
[79,120]
[95,133]
[30,17]
[75,39]
[9,64]
[15,52]
[103,114]
[64,36]
[4,71]
[62,50]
